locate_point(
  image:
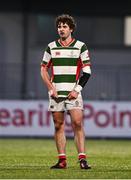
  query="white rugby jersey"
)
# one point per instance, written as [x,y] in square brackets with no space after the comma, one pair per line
[66,63]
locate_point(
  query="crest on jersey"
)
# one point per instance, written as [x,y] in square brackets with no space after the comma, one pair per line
[77,103]
[57,53]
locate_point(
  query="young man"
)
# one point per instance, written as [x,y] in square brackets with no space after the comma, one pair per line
[66,57]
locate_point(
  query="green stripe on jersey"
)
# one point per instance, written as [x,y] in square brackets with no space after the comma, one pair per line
[67,48]
[48,49]
[64,61]
[65,93]
[58,44]
[64,78]
[43,62]
[73,43]
[84,48]
[86,62]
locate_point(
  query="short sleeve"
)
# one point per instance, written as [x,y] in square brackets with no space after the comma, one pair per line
[46,57]
[85,59]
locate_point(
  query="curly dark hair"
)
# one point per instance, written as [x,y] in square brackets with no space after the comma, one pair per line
[66,18]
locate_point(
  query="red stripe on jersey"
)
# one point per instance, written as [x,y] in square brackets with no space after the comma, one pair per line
[52,73]
[84,65]
[43,65]
[79,66]
[49,64]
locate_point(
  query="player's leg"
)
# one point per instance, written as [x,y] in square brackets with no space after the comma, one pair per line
[76,118]
[60,139]
[79,136]
[58,118]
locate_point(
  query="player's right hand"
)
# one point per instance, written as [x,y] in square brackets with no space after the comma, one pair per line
[53,93]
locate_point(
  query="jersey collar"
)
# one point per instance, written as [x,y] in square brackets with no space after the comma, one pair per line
[71,43]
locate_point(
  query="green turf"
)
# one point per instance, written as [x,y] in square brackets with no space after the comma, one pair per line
[32,158]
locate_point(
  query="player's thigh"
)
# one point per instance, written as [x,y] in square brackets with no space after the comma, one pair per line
[58,117]
[76,115]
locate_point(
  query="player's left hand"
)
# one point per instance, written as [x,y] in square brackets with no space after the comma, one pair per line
[73,95]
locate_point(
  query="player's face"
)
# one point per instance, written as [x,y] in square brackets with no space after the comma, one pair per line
[64,31]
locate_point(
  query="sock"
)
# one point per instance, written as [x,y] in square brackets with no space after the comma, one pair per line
[81,156]
[62,156]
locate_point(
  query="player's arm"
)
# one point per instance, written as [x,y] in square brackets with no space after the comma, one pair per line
[82,82]
[45,64]
[86,68]
[45,77]
[47,80]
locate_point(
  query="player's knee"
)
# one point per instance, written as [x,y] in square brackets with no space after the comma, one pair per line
[58,126]
[77,124]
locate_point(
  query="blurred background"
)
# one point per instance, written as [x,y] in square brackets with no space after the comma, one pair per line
[26,27]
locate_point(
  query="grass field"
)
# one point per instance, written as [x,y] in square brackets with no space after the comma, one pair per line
[32,158]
